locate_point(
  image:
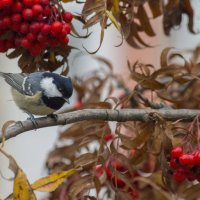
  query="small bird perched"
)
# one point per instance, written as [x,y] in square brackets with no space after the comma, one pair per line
[39,93]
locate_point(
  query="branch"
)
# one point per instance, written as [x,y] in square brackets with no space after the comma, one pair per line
[122,115]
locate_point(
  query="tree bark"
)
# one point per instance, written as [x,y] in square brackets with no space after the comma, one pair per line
[121,115]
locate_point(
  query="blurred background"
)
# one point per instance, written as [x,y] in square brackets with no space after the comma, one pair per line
[30,149]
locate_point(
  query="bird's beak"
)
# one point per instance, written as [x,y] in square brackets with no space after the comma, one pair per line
[67,100]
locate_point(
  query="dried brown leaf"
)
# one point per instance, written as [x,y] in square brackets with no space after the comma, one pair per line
[155,7]
[15,53]
[80,185]
[3,130]
[144,21]
[86,160]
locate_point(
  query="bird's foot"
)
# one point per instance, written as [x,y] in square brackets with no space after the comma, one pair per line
[53,116]
[32,118]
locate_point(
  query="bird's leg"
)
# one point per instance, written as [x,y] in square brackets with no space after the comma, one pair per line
[53,116]
[32,118]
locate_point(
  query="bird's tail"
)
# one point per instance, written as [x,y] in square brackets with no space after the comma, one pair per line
[1,74]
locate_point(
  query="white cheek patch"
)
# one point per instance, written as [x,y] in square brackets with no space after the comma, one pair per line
[49,88]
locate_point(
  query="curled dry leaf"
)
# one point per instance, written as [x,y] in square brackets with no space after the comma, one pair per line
[84,183]
[172,16]
[86,160]
[3,130]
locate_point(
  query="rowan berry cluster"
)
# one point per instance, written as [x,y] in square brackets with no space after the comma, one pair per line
[33,25]
[185,166]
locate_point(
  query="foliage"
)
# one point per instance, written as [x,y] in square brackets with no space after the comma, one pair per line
[124,160]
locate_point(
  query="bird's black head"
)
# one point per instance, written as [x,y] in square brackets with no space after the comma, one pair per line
[58,86]
[64,85]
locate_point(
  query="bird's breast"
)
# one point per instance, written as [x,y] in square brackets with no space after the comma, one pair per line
[32,104]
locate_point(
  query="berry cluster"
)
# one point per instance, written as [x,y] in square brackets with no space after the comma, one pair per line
[33,25]
[185,165]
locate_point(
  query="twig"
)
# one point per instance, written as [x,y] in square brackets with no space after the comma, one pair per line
[122,115]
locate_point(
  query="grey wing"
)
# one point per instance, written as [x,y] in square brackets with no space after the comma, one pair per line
[27,84]
[32,83]
[15,80]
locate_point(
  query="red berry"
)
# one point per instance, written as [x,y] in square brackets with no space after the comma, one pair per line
[17,7]
[78,104]
[45,2]
[108,174]
[3,49]
[47,11]
[42,38]
[61,36]
[173,164]
[46,29]
[56,27]
[1,5]
[7,3]
[7,22]
[36,1]
[36,49]
[66,28]
[108,137]
[24,28]
[25,43]
[40,18]
[67,16]
[134,194]
[16,18]
[28,3]
[37,9]
[27,14]
[176,152]
[65,41]
[2,25]
[197,158]
[99,170]
[191,176]
[35,27]
[187,160]
[31,37]
[53,42]
[179,176]
[118,165]
[117,182]
[15,27]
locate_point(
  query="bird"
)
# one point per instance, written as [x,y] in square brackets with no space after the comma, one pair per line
[39,93]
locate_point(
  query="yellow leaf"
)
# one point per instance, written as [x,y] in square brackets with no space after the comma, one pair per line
[52,181]
[115,8]
[21,186]
[113,20]
[22,189]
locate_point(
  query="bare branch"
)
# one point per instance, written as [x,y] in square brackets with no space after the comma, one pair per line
[101,114]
